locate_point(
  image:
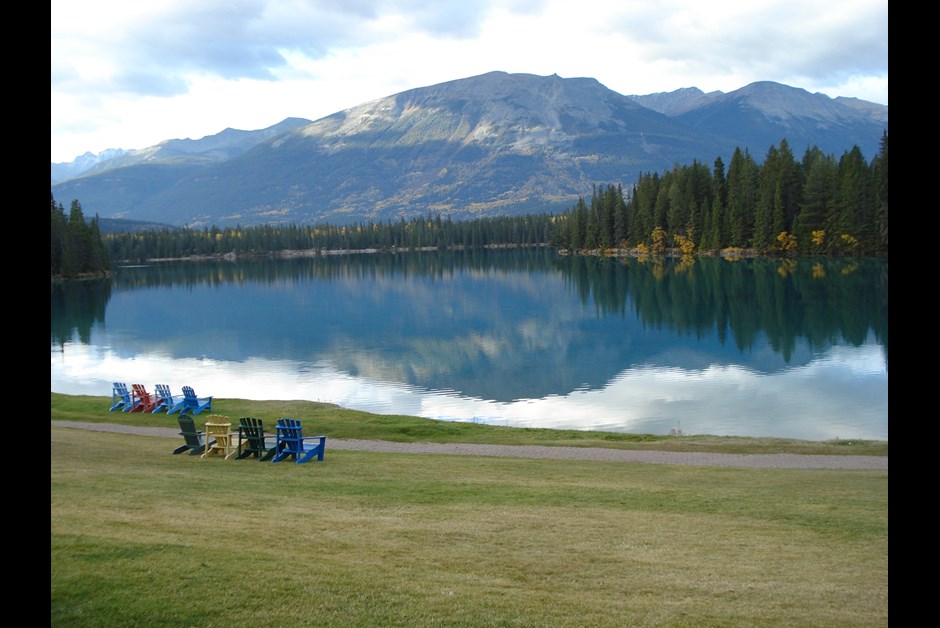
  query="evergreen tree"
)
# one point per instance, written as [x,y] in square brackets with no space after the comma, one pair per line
[788,176]
[578,225]
[698,187]
[780,223]
[99,260]
[661,204]
[592,226]
[58,226]
[647,190]
[880,176]
[677,209]
[854,211]
[769,179]
[620,217]
[77,247]
[818,196]
[742,197]
[75,252]
[720,233]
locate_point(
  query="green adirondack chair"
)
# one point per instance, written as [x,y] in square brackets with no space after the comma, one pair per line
[193,440]
[252,441]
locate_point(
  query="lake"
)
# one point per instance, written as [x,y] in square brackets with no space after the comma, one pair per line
[791,348]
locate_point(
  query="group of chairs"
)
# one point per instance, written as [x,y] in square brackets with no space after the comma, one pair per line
[218,440]
[138,399]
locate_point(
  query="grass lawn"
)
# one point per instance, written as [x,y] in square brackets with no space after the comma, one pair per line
[140,537]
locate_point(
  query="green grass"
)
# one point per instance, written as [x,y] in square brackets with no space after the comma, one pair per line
[336,422]
[140,537]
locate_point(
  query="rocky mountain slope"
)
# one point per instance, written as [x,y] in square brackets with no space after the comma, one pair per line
[494,144]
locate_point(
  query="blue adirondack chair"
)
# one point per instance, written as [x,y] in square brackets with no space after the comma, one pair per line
[121,398]
[193,403]
[164,399]
[289,442]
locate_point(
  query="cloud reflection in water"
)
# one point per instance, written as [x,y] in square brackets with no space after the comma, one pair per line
[790,403]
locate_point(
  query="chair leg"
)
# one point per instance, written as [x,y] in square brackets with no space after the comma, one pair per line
[310,453]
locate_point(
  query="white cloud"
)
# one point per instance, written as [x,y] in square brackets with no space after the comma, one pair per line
[129,75]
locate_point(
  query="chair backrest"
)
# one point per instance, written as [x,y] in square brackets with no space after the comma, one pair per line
[143,401]
[289,435]
[163,392]
[120,397]
[188,392]
[253,431]
[188,430]
[120,391]
[219,429]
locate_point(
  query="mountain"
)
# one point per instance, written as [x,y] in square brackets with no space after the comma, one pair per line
[494,144]
[82,164]
[676,102]
[759,115]
[216,148]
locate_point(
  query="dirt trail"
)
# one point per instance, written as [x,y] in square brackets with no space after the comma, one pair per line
[767,461]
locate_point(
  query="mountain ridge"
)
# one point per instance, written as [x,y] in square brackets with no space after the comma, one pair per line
[497,143]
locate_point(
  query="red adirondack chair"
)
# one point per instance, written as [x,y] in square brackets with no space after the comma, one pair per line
[143,401]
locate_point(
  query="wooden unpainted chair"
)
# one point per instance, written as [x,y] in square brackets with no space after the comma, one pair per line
[219,428]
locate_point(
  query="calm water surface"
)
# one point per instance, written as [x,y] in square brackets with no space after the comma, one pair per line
[525,338]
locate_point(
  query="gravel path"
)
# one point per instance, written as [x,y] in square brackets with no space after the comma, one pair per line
[767,461]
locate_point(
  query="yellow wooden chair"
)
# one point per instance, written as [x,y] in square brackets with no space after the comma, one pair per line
[220,429]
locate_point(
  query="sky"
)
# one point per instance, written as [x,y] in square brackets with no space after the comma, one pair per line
[132,74]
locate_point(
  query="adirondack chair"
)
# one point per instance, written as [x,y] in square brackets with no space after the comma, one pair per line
[194,439]
[252,441]
[176,404]
[220,429]
[289,443]
[163,399]
[143,401]
[121,398]
[194,403]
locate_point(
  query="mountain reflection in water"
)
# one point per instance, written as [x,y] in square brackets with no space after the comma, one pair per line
[789,348]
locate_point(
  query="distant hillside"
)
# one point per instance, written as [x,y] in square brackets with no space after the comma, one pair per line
[216,148]
[118,225]
[495,144]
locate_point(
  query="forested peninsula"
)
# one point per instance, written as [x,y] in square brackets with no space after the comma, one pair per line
[818,205]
